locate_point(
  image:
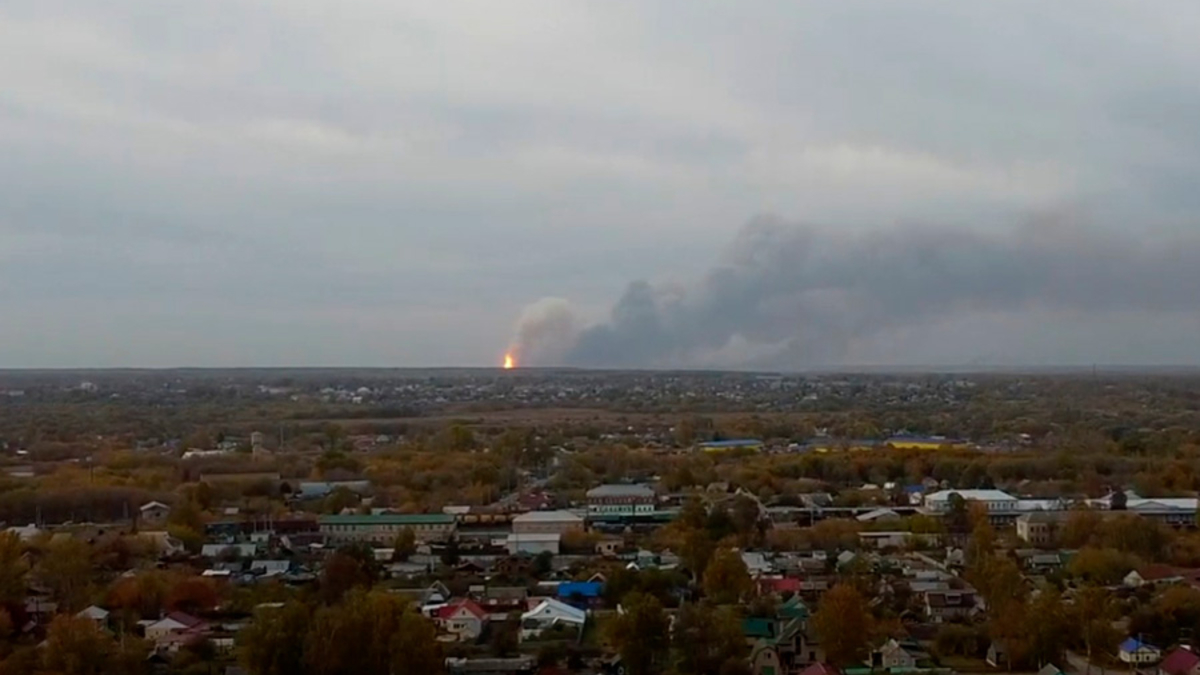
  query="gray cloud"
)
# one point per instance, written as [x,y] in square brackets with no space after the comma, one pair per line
[794,296]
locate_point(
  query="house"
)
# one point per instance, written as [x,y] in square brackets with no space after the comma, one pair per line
[519,665]
[1040,528]
[820,669]
[609,546]
[548,614]
[98,615]
[384,528]
[463,620]
[756,563]
[1050,669]
[533,544]
[270,568]
[1135,652]
[997,654]
[1181,661]
[25,533]
[175,623]
[154,513]
[581,594]
[943,606]
[890,655]
[620,500]
[242,550]
[500,599]
[546,522]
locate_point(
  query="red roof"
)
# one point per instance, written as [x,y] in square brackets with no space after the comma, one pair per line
[786,585]
[1179,662]
[448,611]
[185,619]
[1158,572]
[820,669]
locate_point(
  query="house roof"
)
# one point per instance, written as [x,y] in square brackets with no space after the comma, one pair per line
[389,519]
[560,611]
[820,669]
[587,589]
[1050,669]
[94,613]
[1158,572]
[950,599]
[548,517]
[621,490]
[533,537]
[971,495]
[153,505]
[448,611]
[1179,662]
[877,514]
[1133,644]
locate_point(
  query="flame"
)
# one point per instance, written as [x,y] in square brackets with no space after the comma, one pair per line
[509,362]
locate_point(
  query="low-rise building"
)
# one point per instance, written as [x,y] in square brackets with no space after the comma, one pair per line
[463,620]
[154,513]
[620,500]
[996,501]
[384,528]
[1040,528]
[549,614]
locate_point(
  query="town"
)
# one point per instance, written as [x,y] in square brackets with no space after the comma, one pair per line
[883,524]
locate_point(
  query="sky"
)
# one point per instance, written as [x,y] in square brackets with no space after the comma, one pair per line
[777,185]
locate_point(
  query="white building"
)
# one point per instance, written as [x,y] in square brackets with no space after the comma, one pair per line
[550,613]
[1136,652]
[533,544]
[996,501]
[546,522]
[620,500]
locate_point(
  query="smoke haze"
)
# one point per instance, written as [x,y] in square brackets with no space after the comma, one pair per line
[789,295]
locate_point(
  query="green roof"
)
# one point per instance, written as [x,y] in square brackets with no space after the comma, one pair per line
[794,608]
[390,519]
[757,628]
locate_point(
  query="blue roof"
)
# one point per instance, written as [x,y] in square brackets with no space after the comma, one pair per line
[734,443]
[587,589]
[914,489]
[1133,644]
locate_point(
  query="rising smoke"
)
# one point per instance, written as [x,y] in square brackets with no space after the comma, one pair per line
[794,296]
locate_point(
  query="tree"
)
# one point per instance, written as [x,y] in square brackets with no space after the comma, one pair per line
[726,579]
[371,633]
[193,595]
[1050,632]
[1103,566]
[274,643]
[641,634]
[76,646]
[705,638]
[349,567]
[405,545]
[66,569]
[843,624]
[1119,501]
[13,569]
[696,551]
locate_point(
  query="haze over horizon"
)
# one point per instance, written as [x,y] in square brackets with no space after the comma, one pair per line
[653,184]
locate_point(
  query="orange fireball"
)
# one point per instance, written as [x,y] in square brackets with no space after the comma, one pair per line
[509,362]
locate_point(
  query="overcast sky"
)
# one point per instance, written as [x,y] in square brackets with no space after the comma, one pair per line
[361,182]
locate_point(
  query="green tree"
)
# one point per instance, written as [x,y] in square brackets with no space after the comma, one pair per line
[405,545]
[13,569]
[641,634]
[843,624]
[726,579]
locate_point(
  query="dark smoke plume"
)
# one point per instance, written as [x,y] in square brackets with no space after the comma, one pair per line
[798,294]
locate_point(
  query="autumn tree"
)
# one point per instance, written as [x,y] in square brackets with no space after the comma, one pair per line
[349,567]
[641,634]
[726,579]
[843,624]
[371,633]
[193,595]
[706,639]
[77,646]
[274,643]
[66,569]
